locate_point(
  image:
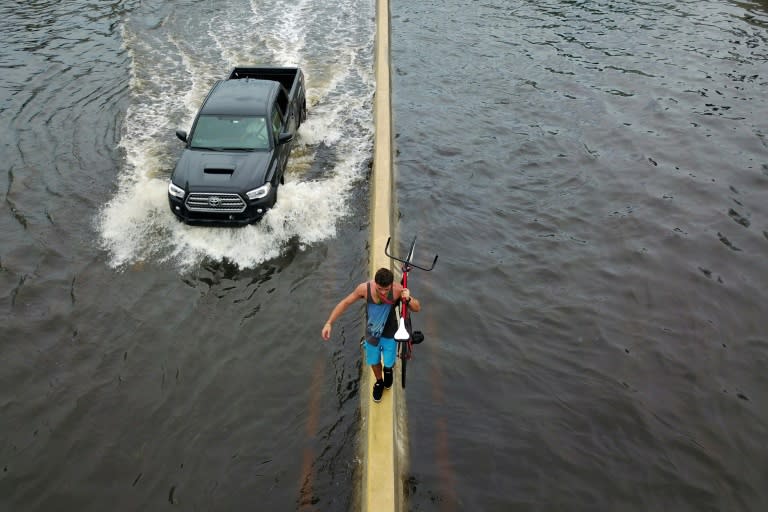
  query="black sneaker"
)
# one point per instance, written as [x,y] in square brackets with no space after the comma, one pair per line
[388,377]
[378,390]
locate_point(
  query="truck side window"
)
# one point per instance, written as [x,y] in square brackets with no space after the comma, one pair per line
[277,123]
[282,101]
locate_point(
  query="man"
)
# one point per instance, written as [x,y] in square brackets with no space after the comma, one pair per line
[382,323]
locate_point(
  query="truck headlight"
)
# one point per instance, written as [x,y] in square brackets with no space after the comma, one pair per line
[175,191]
[260,192]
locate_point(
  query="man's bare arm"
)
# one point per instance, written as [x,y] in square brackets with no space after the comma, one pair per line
[342,306]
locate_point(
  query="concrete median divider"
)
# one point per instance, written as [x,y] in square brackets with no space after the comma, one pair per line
[384,449]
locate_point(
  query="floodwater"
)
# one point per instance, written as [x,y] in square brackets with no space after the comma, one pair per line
[593,176]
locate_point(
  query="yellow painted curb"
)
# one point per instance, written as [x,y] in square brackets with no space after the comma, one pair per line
[383,455]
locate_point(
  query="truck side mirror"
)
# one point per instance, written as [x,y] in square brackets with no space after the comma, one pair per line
[284,137]
[182,135]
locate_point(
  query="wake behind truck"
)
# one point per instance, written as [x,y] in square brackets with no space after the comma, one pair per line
[236,153]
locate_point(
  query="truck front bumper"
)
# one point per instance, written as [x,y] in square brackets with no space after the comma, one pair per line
[253,212]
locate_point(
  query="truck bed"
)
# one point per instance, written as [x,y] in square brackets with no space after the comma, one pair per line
[286,76]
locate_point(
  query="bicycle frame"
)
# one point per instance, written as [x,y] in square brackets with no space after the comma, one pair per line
[405,335]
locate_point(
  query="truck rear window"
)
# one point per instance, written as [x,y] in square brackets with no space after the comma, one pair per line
[230,132]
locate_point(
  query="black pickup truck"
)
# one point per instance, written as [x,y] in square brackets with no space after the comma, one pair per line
[236,153]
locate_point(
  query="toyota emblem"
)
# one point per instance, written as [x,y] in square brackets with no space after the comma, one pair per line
[214,201]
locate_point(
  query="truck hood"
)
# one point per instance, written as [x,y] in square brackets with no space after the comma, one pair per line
[217,171]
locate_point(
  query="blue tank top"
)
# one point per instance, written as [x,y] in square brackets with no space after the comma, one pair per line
[378,314]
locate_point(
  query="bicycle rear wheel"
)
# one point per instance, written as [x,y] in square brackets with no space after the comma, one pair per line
[404,356]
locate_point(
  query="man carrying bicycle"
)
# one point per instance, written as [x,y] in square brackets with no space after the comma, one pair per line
[381,324]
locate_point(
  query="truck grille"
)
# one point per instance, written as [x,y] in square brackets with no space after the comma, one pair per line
[210,202]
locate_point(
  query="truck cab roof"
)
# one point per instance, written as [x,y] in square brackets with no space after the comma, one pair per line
[241,97]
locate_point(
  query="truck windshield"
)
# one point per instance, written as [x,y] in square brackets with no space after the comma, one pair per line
[230,132]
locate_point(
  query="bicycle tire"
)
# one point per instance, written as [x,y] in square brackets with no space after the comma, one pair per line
[404,362]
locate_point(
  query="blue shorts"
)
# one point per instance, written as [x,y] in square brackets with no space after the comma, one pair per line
[387,348]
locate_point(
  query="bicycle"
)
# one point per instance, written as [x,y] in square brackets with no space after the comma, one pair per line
[405,336]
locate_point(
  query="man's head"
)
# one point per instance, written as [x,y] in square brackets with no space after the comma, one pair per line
[384,277]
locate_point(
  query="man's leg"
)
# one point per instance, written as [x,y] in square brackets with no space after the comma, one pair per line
[389,353]
[376,371]
[373,357]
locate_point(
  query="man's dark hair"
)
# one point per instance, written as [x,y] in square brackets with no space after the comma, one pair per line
[384,277]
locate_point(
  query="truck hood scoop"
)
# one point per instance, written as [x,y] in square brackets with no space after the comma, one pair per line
[221,171]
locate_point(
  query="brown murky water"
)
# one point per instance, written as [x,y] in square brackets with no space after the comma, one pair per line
[593,176]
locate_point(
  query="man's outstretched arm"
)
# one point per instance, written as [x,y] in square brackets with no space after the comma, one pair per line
[340,308]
